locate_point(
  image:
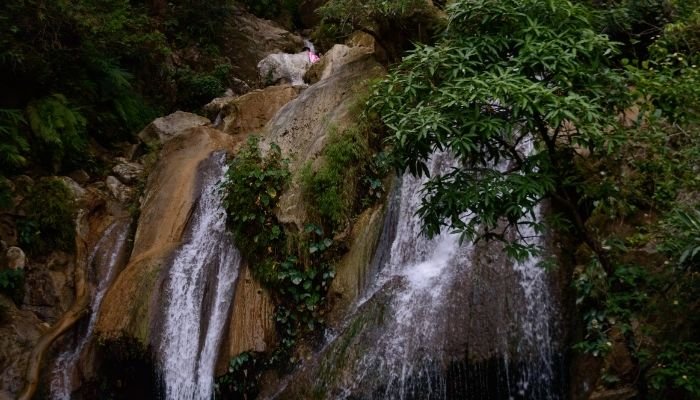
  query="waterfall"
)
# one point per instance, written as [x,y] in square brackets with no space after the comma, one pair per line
[199,293]
[458,321]
[105,260]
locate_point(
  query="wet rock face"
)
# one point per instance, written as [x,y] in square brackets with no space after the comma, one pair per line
[252,326]
[130,306]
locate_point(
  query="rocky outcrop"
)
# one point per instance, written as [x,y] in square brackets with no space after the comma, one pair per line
[250,112]
[280,68]
[250,39]
[359,46]
[166,128]
[252,326]
[19,330]
[131,304]
[300,128]
[353,271]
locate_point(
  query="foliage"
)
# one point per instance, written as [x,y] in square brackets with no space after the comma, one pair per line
[197,89]
[86,71]
[251,191]
[505,76]
[58,128]
[49,221]
[678,366]
[331,190]
[13,144]
[535,104]
[241,380]
[5,193]
[393,23]
[301,284]
[296,269]
[273,8]
[196,20]
[12,283]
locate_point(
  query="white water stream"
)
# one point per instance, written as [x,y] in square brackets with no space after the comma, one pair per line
[409,357]
[104,260]
[199,291]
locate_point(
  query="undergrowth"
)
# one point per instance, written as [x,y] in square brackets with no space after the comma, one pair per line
[49,221]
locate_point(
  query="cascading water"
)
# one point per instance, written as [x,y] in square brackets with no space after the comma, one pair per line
[457,321]
[199,294]
[104,260]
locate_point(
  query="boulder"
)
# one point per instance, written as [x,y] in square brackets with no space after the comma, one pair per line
[127,172]
[165,128]
[118,190]
[280,68]
[359,46]
[132,304]
[16,259]
[250,39]
[250,112]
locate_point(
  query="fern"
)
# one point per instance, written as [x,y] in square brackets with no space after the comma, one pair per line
[13,144]
[58,128]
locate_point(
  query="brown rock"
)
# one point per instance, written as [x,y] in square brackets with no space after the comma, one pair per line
[118,190]
[625,393]
[127,172]
[165,128]
[18,333]
[352,272]
[80,176]
[129,306]
[300,128]
[252,326]
[250,112]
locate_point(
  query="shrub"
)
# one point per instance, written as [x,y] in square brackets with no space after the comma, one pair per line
[331,191]
[198,88]
[58,129]
[49,222]
[251,191]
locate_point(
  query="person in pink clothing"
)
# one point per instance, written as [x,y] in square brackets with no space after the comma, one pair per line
[313,57]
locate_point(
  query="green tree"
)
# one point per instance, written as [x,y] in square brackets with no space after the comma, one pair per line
[536,104]
[505,74]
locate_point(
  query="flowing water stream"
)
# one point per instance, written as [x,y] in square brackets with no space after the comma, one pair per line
[458,321]
[105,259]
[199,293]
